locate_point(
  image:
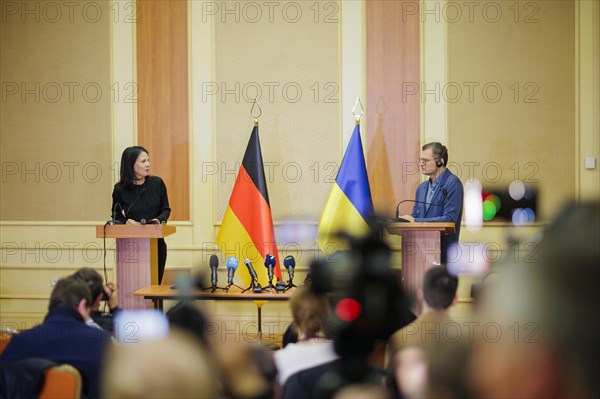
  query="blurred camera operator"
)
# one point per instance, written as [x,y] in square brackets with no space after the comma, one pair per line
[107,292]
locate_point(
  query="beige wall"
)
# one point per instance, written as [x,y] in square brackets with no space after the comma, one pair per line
[56,111]
[519,122]
[42,242]
[293,63]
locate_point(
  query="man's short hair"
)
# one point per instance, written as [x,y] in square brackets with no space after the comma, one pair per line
[439,287]
[92,278]
[69,291]
[439,151]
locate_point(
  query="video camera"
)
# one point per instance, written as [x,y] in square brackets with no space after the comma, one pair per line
[368,304]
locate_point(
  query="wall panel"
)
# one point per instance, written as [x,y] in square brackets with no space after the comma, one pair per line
[393,65]
[518,118]
[162,81]
[56,100]
[291,60]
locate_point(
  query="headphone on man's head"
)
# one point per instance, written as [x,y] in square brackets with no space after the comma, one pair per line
[441,153]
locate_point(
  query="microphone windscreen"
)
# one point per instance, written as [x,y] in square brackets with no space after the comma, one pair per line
[269,260]
[214,261]
[232,263]
[143,221]
[289,261]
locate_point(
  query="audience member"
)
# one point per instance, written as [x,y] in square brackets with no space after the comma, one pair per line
[310,312]
[436,296]
[248,371]
[290,335]
[186,316]
[175,366]
[324,380]
[100,292]
[63,337]
[362,391]
[368,305]
[412,349]
[543,340]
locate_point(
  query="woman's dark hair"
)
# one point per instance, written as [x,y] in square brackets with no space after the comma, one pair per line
[130,155]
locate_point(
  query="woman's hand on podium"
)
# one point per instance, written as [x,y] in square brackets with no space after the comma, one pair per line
[131,221]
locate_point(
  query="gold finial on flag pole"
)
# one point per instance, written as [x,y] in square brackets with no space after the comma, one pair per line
[257,105]
[357,113]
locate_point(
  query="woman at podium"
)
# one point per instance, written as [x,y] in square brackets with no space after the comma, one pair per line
[139,198]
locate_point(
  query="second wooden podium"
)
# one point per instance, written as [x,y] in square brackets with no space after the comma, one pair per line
[137,258]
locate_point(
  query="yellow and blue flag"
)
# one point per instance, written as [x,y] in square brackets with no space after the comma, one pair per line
[349,205]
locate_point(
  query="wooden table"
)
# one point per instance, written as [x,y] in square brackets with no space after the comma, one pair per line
[158,293]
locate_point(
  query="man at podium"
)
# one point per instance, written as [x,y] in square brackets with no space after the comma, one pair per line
[139,198]
[439,198]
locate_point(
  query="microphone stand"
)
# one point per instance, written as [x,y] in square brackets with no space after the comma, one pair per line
[232,284]
[255,286]
[270,286]
[213,289]
[290,285]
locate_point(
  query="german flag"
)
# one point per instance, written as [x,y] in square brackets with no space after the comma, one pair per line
[247,228]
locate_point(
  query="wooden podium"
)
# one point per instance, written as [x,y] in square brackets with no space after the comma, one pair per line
[420,250]
[137,258]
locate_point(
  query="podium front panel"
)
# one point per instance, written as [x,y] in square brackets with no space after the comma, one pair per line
[136,260]
[420,251]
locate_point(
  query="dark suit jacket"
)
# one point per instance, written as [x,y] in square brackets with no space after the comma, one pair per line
[448,207]
[63,337]
[321,382]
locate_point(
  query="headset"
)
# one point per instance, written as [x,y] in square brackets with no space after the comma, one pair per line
[441,153]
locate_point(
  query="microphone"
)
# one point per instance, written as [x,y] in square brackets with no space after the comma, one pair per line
[214,263]
[399,219]
[290,263]
[269,263]
[114,214]
[134,201]
[232,264]
[251,270]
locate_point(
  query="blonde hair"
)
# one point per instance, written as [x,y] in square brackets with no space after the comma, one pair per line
[172,367]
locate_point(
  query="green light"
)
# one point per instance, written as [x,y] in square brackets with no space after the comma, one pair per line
[489,210]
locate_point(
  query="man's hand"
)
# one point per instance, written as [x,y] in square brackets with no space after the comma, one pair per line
[408,217]
[112,292]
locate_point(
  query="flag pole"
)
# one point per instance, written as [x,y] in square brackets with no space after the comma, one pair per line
[357,110]
[255,104]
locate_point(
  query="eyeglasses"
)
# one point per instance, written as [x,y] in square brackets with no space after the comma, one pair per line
[423,161]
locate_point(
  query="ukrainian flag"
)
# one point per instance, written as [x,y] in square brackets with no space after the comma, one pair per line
[349,205]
